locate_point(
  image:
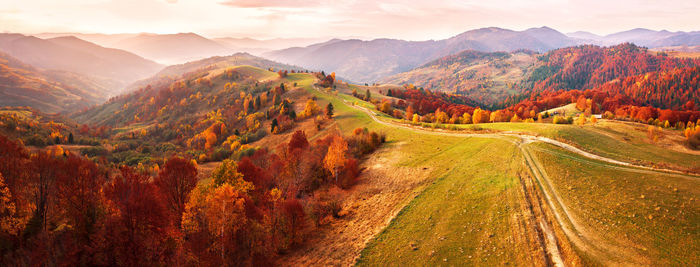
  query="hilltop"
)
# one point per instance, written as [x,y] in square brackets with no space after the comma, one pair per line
[486,77]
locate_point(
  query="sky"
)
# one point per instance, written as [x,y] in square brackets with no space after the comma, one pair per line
[402,19]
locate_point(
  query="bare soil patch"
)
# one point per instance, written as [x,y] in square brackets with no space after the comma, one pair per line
[382,191]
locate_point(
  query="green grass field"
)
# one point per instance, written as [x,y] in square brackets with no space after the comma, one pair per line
[467,216]
[617,140]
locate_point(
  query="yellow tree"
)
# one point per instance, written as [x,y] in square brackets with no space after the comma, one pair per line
[385,107]
[441,116]
[466,118]
[311,108]
[225,213]
[416,118]
[220,211]
[594,119]
[210,138]
[581,119]
[335,158]
[480,116]
[9,224]
[515,118]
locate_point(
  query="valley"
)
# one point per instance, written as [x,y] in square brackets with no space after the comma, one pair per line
[294,133]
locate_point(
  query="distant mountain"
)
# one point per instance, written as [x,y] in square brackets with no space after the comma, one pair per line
[367,61]
[112,68]
[48,91]
[105,40]
[232,45]
[257,47]
[172,48]
[113,63]
[642,37]
[638,36]
[583,35]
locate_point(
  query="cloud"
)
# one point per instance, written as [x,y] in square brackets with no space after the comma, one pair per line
[270,3]
[171,1]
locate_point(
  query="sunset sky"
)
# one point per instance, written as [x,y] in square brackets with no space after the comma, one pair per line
[405,19]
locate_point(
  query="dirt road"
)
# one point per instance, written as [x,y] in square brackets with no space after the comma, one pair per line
[524,140]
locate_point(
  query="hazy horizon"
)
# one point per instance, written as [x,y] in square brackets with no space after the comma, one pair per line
[362,19]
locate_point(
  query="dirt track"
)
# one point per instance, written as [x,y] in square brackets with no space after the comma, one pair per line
[524,139]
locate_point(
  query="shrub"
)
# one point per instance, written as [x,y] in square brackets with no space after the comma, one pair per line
[93,151]
[35,140]
[561,120]
[252,137]
[350,173]
[165,147]
[220,153]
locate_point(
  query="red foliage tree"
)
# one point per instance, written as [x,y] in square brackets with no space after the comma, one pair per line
[137,233]
[298,141]
[175,181]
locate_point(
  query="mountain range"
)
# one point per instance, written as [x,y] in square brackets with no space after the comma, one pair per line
[102,65]
[183,47]
[641,37]
[369,61]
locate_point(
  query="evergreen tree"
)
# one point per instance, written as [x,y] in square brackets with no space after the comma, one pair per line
[274,125]
[329,110]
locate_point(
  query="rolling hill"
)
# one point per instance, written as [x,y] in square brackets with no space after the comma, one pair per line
[24,85]
[199,67]
[194,72]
